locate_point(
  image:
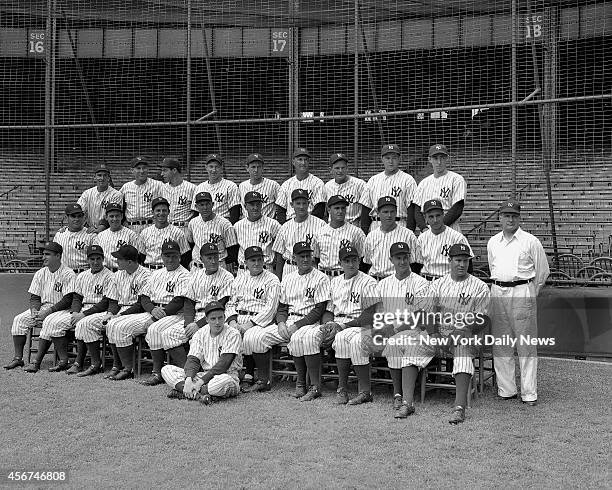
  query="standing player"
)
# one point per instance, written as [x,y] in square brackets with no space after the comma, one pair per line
[74,239]
[392,181]
[378,241]
[213,364]
[519,269]
[115,236]
[351,188]
[256,230]
[445,185]
[139,194]
[258,183]
[302,179]
[50,291]
[226,200]
[178,192]
[301,228]
[95,199]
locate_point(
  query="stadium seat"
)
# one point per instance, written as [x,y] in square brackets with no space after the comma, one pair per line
[15,266]
[603,277]
[588,272]
[570,264]
[559,279]
[604,263]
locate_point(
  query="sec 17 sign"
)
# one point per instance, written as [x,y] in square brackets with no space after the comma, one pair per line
[280,42]
[36,43]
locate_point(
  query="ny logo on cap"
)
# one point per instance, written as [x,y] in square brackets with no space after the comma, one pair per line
[432,203]
[338,155]
[348,249]
[510,204]
[399,245]
[463,248]
[303,244]
[387,199]
[438,147]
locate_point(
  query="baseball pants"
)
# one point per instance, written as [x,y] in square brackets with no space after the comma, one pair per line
[221,385]
[306,341]
[23,322]
[420,354]
[174,335]
[90,328]
[395,350]
[348,344]
[156,331]
[57,324]
[260,339]
[122,330]
[514,313]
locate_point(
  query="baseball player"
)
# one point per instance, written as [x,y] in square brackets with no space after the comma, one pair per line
[460,301]
[226,199]
[519,269]
[50,291]
[162,300]
[302,179]
[139,194]
[93,201]
[253,304]
[445,185]
[433,244]
[161,231]
[74,239]
[258,183]
[378,241]
[301,228]
[210,228]
[335,235]
[213,364]
[120,299]
[351,188]
[178,192]
[392,181]
[115,236]
[256,230]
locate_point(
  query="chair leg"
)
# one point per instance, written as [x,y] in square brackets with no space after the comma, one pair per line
[28,344]
[138,354]
[423,383]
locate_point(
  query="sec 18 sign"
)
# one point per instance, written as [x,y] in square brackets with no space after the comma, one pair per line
[533,26]
[280,42]
[36,43]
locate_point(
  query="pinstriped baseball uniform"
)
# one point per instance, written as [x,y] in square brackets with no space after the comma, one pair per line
[292,232]
[180,198]
[378,244]
[224,194]
[92,287]
[138,199]
[124,288]
[452,297]
[216,230]
[352,190]
[261,233]
[269,192]
[111,241]
[349,298]
[448,189]
[51,287]
[94,203]
[152,238]
[400,185]
[328,242]
[75,247]
[432,250]
[162,286]
[208,350]
[313,184]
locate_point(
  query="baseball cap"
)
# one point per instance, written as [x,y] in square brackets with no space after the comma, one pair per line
[437,150]
[213,306]
[139,160]
[337,156]
[126,252]
[254,157]
[253,252]
[113,206]
[95,250]
[349,251]
[170,247]
[73,209]
[510,206]
[386,201]
[399,248]
[337,199]
[53,247]
[159,200]
[432,204]
[390,149]
[171,162]
[203,196]
[459,249]
[209,249]
[301,247]
[297,193]
[213,157]
[253,196]
[301,152]
[102,168]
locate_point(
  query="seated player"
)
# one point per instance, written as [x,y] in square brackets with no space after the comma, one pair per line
[115,236]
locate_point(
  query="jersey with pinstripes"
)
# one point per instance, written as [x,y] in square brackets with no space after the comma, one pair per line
[378,245]
[269,192]
[52,286]
[260,233]
[224,195]
[292,232]
[257,294]
[303,292]
[349,297]
[328,240]
[352,190]
[313,184]
[93,287]
[209,349]
[164,285]
[400,185]
[111,241]
[217,230]
[75,247]
[180,198]
[204,288]
[94,203]
[126,287]
[432,250]
[448,189]
[138,198]
[152,238]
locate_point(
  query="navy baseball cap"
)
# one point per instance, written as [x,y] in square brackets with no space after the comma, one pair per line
[171,162]
[253,252]
[438,150]
[73,209]
[301,247]
[432,204]
[297,193]
[301,152]
[460,249]
[213,306]
[113,206]
[337,157]
[203,196]
[170,247]
[94,250]
[140,160]
[126,252]
[399,248]
[159,200]
[390,149]
[386,201]
[209,249]
[253,196]
[102,168]
[510,206]
[254,157]
[213,157]
[53,247]
[337,199]
[349,251]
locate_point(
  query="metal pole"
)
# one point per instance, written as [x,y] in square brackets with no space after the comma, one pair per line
[294,82]
[211,87]
[188,101]
[356,92]
[514,93]
[47,159]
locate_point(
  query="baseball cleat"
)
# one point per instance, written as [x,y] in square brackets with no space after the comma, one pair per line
[246,384]
[530,403]
[342,396]
[204,399]
[74,369]
[32,368]
[62,366]
[312,394]
[397,401]
[259,386]
[457,416]
[16,362]
[90,371]
[176,395]
[154,379]
[362,397]
[404,411]
[504,398]
[300,391]
[112,373]
[123,374]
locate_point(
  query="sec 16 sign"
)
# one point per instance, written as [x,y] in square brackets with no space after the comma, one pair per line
[280,42]
[36,43]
